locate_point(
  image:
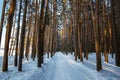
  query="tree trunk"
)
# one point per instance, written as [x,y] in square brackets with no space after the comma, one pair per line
[116,18]
[22,37]
[96,34]
[2,19]
[97,42]
[17,34]
[8,32]
[41,35]
[105,32]
[34,33]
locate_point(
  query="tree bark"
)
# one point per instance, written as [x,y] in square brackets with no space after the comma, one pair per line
[22,37]
[7,36]
[41,35]
[2,19]
[17,34]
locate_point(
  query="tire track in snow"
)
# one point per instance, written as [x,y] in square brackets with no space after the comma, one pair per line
[77,69]
[48,70]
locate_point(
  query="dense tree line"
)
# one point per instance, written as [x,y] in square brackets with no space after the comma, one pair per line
[35,27]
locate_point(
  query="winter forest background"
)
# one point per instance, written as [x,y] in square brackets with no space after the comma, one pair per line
[59,40]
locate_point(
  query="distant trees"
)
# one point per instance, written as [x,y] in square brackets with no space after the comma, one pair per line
[92,17]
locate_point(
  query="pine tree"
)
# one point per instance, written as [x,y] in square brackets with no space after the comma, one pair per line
[8,32]
[2,19]
[22,37]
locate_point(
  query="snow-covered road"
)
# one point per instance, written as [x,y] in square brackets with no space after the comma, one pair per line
[62,67]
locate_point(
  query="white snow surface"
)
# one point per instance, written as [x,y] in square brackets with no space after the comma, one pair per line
[61,67]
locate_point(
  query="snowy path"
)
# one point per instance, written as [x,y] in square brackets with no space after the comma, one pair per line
[62,67]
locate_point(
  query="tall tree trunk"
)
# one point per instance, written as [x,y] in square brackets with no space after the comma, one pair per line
[97,42]
[116,18]
[2,19]
[86,31]
[34,33]
[79,30]
[22,37]
[54,28]
[17,34]
[96,34]
[41,35]
[105,32]
[76,31]
[8,32]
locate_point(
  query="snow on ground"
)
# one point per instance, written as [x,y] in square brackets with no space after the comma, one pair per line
[110,71]
[61,67]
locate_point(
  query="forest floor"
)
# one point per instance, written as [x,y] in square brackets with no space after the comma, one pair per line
[61,67]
